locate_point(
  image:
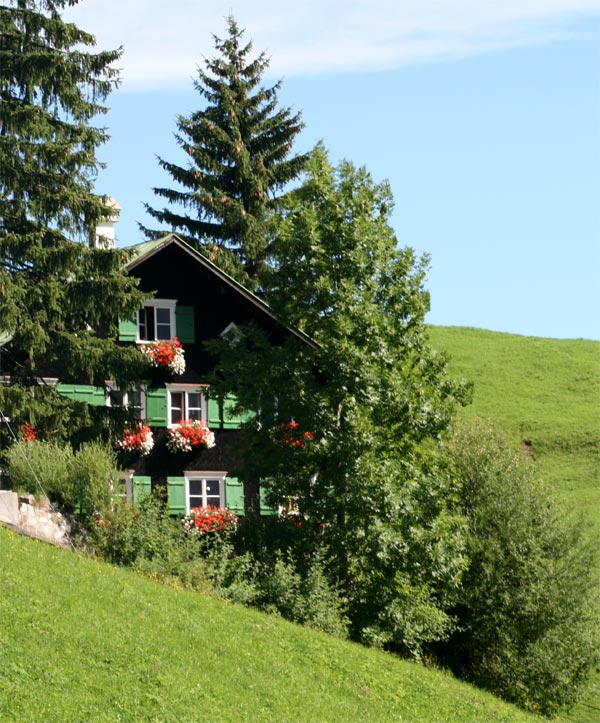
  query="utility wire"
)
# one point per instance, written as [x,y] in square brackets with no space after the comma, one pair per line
[6,420]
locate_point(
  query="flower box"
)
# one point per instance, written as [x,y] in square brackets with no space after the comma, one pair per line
[139,439]
[188,435]
[203,520]
[165,354]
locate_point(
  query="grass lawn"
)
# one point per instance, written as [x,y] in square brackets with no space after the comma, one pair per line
[83,641]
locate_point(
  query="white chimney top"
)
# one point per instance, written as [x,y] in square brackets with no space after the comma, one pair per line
[105,230]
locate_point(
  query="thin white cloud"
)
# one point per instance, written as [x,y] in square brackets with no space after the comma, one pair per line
[164,42]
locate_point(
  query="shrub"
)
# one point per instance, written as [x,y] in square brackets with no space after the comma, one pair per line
[528,616]
[77,482]
[92,471]
[35,467]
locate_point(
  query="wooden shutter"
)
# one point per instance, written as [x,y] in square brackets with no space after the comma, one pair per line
[265,509]
[128,329]
[83,393]
[156,407]
[214,414]
[176,495]
[184,324]
[231,419]
[234,495]
[142,486]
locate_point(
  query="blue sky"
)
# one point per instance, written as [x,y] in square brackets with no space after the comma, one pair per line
[484,117]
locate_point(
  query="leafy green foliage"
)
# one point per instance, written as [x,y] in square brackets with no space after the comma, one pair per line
[373,398]
[239,161]
[77,481]
[529,627]
[58,297]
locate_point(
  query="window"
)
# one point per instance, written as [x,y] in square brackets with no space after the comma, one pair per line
[231,333]
[186,402]
[204,489]
[156,321]
[135,399]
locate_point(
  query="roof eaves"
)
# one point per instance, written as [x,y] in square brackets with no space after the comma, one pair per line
[149,248]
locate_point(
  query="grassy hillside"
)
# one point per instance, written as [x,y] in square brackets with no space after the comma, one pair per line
[545,393]
[82,641]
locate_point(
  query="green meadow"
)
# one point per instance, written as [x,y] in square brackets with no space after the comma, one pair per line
[83,641]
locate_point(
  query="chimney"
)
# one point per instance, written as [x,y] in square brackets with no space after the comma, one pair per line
[104,238]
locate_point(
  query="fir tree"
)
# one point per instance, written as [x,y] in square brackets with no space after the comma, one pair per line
[55,291]
[239,150]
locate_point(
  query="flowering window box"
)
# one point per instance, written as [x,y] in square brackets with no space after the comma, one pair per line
[139,439]
[203,520]
[188,435]
[165,354]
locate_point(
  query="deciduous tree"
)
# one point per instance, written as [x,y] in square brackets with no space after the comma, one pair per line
[344,429]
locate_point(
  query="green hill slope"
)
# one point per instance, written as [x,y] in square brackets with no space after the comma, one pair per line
[545,393]
[82,641]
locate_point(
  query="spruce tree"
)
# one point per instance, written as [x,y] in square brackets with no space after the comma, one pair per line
[239,148]
[58,296]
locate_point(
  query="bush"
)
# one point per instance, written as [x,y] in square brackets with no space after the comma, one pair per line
[41,467]
[77,482]
[528,615]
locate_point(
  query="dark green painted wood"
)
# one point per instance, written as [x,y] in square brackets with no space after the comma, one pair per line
[231,419]
[83,393]
[214,414]
[176,495]
[265,509]
[142,486]
[127,329]
[234,495]
[184,324]
[156,407]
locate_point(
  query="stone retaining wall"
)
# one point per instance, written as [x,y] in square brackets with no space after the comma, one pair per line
[35,519]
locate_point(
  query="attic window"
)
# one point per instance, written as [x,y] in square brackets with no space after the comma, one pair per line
[156,320]
[231,333]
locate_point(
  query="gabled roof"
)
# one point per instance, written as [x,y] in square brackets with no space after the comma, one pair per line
[143,251]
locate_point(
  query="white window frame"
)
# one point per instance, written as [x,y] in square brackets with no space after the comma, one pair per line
[112,387]
[187,389]
[169,304]
[204,475]
[231,333]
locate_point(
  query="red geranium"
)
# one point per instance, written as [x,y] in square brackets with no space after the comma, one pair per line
[203,520]
[28,432]
[291,435]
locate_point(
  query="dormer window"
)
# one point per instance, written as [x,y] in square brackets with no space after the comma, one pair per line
[156,320]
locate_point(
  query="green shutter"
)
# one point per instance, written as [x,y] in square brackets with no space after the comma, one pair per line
[142,486]
[128,329]
[234,420]
[265,509]
[214,414]
[83,393]
[156,407]
[234,495]
[184,324]
[176,495]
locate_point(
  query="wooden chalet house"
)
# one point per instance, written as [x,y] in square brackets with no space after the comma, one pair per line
[193,300]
